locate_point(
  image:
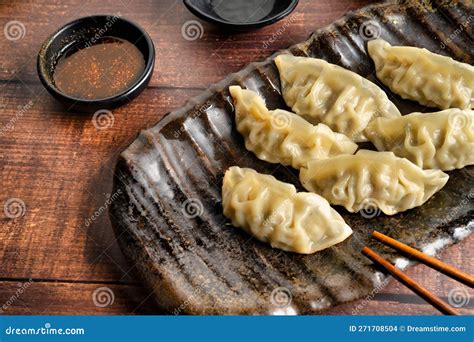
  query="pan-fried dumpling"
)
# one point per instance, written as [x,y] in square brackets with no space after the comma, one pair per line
[371,179]
[324,92]
[274,212]
[423,76]
[283,137]
[441,140]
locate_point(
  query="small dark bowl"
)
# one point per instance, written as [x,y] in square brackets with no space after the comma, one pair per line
[205,10]
[82,32]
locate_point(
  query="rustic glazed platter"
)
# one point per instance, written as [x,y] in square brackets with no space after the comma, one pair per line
[168,217]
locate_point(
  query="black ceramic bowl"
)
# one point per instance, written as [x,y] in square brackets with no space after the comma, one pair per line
[81,33]
[241,14]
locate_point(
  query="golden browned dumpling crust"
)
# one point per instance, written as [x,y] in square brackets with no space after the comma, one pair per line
[372,179]
[279,136]
[273,212]
[423,76]
[441,140]
[326,93]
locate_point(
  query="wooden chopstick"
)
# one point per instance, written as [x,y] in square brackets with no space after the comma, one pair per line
[410,283]
[434,263]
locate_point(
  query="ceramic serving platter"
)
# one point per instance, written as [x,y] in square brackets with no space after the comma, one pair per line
[168,217]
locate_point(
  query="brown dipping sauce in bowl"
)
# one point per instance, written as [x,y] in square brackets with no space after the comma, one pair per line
[96,62]
[99,71]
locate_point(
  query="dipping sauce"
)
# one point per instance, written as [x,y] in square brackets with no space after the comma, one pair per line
[242,11]
[102,70]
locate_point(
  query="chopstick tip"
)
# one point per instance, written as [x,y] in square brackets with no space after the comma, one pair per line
[376,233]
[366,250]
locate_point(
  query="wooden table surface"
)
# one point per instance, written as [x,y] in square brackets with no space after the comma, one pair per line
[60,166]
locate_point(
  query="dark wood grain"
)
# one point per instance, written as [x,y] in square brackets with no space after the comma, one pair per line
[61,166]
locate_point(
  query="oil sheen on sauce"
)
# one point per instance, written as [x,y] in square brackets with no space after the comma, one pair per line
[102,70]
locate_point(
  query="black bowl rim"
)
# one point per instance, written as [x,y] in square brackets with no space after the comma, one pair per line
[205,16]
[127,93]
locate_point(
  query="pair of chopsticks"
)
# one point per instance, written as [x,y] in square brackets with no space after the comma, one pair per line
[434,263]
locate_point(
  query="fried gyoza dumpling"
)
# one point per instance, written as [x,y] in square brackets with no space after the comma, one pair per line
[324,92]
[274,212]
[423,76]
[370,178]
[441,140]
[279,136]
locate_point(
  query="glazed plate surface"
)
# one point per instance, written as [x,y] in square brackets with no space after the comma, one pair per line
[168,218]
